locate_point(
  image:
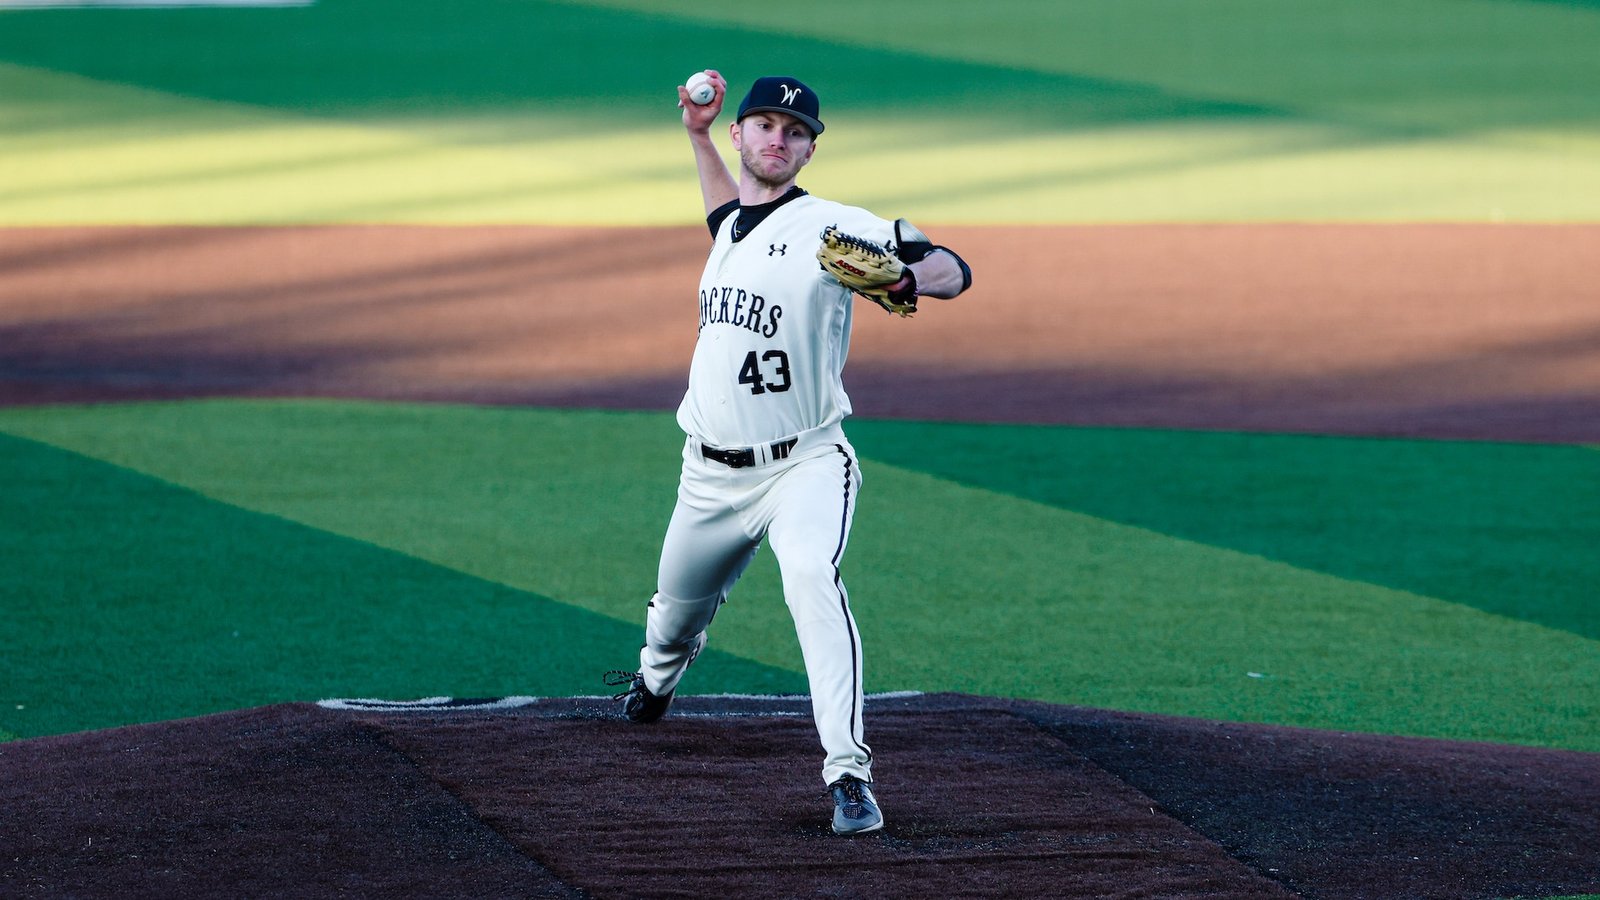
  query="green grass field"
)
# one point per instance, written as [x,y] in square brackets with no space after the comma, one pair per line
[174,559]
[183,558]
[562,112]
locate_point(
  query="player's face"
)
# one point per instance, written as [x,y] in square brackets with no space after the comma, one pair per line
[773,147]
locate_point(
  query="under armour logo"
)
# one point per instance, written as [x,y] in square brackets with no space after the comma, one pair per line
[789,94]
[777,249]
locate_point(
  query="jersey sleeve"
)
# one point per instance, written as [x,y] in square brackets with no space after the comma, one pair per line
[864,224]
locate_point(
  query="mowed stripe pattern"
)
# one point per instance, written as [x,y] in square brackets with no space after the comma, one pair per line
[490,506]
[404,111]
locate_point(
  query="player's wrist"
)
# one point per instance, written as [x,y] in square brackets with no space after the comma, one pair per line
[906,288]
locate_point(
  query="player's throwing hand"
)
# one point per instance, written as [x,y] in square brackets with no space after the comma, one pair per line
[696,116]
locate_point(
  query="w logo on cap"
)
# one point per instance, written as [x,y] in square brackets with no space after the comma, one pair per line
[775,93]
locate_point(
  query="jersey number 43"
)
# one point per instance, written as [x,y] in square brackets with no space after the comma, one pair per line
[759,379]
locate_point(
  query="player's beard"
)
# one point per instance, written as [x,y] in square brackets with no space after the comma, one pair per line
[762,172]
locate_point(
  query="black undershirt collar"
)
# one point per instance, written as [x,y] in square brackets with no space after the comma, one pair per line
[749,216]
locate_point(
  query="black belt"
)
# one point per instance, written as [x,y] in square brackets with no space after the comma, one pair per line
[746,456]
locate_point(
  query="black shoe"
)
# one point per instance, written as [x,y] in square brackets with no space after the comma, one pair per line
[638,704]
[855,810]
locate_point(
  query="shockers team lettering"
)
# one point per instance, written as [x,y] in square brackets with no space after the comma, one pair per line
[737,306]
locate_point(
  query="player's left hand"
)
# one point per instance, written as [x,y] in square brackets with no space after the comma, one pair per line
[869,270]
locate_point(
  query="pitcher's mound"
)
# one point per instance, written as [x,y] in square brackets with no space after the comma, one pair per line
[982,797]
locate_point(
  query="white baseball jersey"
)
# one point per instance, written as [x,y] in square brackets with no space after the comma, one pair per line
[774,327]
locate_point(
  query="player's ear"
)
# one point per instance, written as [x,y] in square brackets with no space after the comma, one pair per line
[734,133]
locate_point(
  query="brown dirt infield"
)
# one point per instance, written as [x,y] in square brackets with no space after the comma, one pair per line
[1440,331]
[1467,331]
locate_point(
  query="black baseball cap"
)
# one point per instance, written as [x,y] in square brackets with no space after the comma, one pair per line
[781,93]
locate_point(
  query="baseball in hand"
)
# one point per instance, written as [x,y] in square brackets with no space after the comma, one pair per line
[700,89]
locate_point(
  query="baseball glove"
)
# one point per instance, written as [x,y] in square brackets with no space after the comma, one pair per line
[869,270]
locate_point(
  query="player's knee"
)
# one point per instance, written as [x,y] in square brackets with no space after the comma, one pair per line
[682,619]
[665,601]
[808,574]
[685,642]
[814,592]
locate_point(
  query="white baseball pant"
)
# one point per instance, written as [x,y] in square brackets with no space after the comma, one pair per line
[803,506]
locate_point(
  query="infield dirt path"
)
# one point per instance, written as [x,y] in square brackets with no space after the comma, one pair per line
[1472,331]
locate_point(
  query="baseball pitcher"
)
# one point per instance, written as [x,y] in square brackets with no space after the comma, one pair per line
[765,456]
